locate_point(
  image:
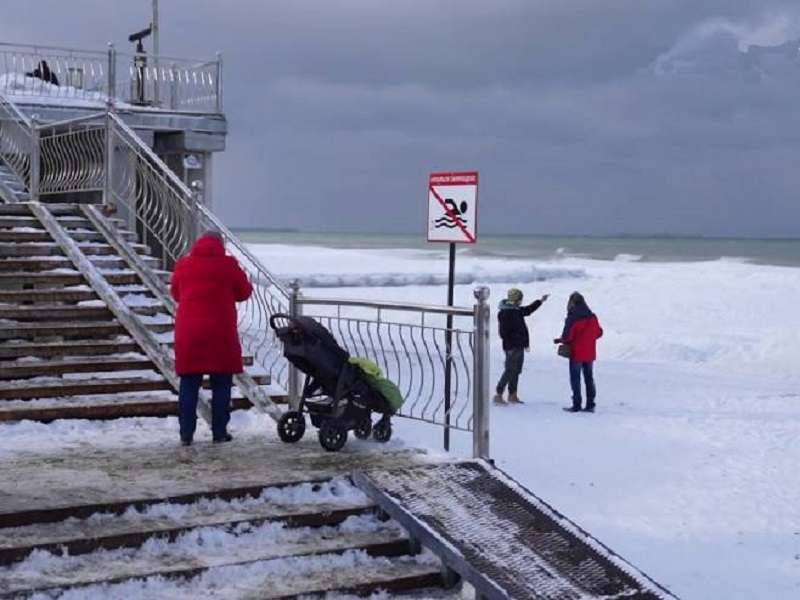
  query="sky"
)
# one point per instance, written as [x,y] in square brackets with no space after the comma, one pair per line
[626,116]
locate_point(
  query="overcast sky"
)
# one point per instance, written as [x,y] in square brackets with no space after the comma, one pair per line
[582,116]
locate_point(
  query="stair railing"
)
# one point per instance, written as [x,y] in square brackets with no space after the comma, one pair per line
[16,141]
[168,216]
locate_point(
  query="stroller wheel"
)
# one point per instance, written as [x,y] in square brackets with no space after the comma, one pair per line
[291,426]
[364,428]
[332,435]
[382,431]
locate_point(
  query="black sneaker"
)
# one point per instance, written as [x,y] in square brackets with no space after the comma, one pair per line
[186,442]
[572,409]
[225,438]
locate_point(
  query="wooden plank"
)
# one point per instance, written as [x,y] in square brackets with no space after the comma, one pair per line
[116,408]
[47,295]
[7,235]
[67,348]
[20,370]
[374,543]
[72,387]
[125,531]
[65,311]
[60,262]
[30,331]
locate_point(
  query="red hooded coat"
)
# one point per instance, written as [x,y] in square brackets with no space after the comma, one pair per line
[207,284]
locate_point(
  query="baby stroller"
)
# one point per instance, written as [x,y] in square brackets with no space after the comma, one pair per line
[337,394]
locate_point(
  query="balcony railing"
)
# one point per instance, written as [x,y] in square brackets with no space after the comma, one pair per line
[45,75]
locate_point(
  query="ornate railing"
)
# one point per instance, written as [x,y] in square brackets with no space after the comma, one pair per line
[39,73]
[71,156]
[16,141]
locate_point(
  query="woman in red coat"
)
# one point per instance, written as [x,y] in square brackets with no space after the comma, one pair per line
[207,284]
[581,331]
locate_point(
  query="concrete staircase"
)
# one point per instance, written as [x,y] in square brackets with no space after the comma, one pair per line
[64,353]
[271,542]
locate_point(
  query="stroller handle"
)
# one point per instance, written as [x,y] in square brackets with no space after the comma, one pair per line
[284,316]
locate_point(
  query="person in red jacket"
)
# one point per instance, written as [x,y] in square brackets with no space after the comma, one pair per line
[581,331]
[207,284]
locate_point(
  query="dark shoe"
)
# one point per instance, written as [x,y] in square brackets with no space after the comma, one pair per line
[589,409]
[225,438]
[572,409]
[186,441]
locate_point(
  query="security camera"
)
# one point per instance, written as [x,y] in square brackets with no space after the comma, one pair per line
[140,35]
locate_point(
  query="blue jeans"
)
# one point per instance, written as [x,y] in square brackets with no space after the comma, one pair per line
[575,369]
[220,404]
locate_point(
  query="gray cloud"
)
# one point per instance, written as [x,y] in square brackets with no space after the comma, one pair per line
[583,117]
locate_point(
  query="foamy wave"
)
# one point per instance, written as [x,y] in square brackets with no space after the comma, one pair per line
[628,257]
[478,276]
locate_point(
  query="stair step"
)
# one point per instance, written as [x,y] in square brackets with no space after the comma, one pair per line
[109,261]
[30,331]
[114,407]
[74,574]
[73,387]
[52,279]
[47,295]
[21,370]
[18,249]
[61,311]
[8,236]
[125,531]
[10,351]
[12,220]
[59,209]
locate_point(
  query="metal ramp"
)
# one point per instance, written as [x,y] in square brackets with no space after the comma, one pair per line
[500,538]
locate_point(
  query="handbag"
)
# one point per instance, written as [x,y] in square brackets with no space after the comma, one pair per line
[564,350]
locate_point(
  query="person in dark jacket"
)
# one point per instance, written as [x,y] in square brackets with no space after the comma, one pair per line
[516,341]
[581,331]
[207,284]
[43,72]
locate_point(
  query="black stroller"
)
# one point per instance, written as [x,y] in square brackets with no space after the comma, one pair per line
[337,395]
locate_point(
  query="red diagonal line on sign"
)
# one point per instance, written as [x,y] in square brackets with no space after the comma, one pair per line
[452,215]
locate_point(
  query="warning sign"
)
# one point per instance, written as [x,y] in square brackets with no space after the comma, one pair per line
[452,207]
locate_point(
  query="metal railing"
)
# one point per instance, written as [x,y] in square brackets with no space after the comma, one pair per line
[410,343]
[16,141]
[168,216]
[90,78]
[71,156]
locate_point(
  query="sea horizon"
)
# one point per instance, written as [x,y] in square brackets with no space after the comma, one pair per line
[628,247]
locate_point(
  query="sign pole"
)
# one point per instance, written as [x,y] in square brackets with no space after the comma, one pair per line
[448,346]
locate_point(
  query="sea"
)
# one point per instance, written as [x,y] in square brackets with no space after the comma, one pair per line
[765,251]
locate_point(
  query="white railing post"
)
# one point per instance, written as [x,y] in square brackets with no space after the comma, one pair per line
[36,153]
[481,384]
[295,310]
[108,183]
[219,82]
[111,68]
[194,216]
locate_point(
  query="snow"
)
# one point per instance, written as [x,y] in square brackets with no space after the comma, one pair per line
[32,90]
[687,470]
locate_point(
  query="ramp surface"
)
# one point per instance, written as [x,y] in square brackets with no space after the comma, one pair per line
[500,538]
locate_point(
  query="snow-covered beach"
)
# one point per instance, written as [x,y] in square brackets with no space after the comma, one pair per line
[688,468]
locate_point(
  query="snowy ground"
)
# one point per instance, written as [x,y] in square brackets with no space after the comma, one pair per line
[687,470]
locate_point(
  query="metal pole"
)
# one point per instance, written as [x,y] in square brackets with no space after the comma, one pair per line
[36,150]
[156,52]
[448,346]
[219,82]
[112,72]
[108,185]
[480,389]
[194,218]
[295,310]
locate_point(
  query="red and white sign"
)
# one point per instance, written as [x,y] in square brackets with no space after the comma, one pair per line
[453,207]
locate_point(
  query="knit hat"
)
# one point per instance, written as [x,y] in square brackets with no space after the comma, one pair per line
[515,295]
[213,233]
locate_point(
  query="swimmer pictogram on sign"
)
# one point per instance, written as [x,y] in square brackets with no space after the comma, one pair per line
[452,207]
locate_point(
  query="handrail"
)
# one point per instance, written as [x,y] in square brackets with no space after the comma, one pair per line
[21,116]
[18,147]
[419,308]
